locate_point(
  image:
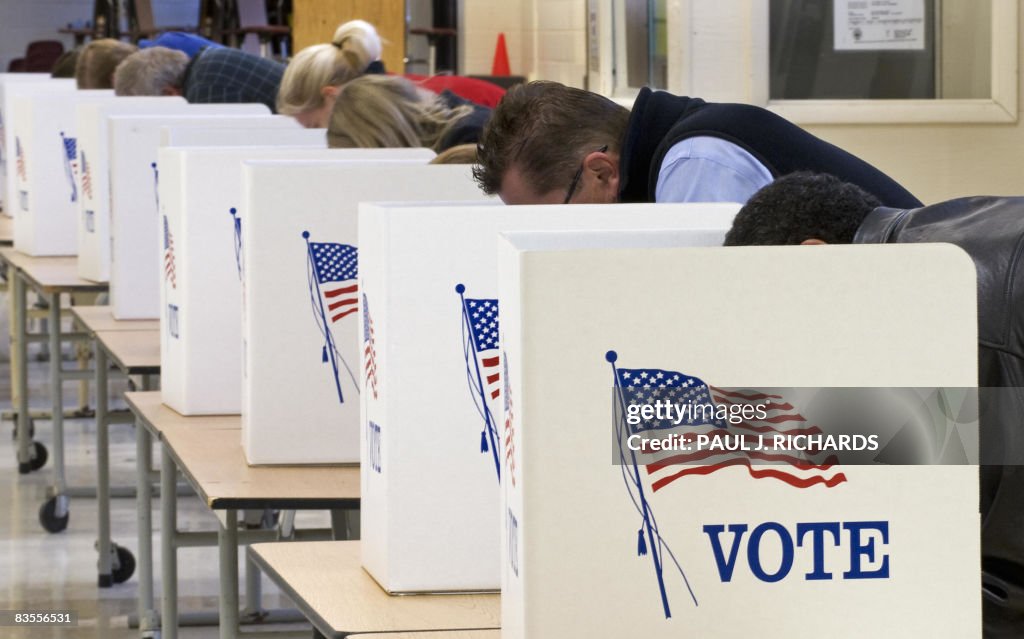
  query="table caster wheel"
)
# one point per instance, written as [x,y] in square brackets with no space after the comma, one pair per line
[124,566]
[39,456]
[48,516]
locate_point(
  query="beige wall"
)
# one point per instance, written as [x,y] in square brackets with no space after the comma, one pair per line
[546,38]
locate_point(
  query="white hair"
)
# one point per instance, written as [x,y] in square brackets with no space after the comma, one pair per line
[150,72]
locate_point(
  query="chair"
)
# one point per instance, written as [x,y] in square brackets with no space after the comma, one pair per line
[256,28]
[42,54]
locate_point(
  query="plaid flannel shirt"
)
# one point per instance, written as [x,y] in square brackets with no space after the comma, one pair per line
[232,76]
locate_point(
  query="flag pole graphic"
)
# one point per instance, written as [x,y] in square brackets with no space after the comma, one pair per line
[329,347]
[156,185]
[238,239]
[612,356]
[489,426]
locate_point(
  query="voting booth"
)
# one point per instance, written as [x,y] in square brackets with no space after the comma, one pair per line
[200,289]
[8,80]
[135,243]
[285,130]
[433,402]
[302,285]
[46,188]
[598,544]
[94,152]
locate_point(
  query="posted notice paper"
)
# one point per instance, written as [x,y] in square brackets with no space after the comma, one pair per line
[879,25]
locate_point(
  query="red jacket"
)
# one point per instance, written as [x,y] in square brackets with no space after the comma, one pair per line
[479,92]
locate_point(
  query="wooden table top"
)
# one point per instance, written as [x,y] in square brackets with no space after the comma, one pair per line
[134,352]
[6,230]
[208,451]
[51,274]
[326,581]
[100,318]
[155,415]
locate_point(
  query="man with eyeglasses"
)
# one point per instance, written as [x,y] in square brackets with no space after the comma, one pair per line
[548,143]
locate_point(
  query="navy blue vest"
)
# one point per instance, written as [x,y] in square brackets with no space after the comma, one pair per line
[659,120]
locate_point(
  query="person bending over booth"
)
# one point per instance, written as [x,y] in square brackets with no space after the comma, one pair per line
[188,43]
[317,73]
[551,144]
[214,75]
[809,209]
[390,111]
[97,60]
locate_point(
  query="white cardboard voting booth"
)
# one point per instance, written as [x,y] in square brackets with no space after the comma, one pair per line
[287,132]
[94,156]
[431,414]
[591,548]
[135,249]
[9,79]
[46,181]
[201,290]
[301,348]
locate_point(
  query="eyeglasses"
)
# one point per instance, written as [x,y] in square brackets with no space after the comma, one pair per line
[576,178]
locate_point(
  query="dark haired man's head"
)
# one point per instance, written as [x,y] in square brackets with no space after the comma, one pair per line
[800,208]
[541,135]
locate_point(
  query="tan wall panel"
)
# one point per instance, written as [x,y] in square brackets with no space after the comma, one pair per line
[314,22]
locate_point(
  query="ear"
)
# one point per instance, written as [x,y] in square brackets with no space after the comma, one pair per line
[330,91]
[605,167]
[813,241]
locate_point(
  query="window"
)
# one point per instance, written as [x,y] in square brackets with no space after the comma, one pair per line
[845,61]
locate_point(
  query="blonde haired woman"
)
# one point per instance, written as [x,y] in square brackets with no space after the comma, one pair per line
[313,78]
[390,111]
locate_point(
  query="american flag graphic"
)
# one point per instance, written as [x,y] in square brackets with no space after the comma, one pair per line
[483,364]
[71,163]
[369,350]
[336,267]
[510,430]
[169,269]
[86,175]
[646,386]
[642,386]
[482,315]
[19,159]
[332,274]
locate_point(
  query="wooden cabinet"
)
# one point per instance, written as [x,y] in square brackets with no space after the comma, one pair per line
[314,22]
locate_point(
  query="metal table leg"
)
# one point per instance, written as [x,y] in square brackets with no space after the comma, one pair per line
[253,611]
[148,618]
[55,512]
[19,355]
[168,554]
[106,579]
[227,542]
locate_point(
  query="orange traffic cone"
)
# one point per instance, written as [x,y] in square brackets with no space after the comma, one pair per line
[500,66]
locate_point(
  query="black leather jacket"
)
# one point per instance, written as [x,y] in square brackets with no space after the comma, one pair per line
[991,231]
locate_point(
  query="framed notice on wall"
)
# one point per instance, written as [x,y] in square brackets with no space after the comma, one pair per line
[879,25]
[853,49]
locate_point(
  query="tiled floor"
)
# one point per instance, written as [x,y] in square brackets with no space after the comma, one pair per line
[46,571]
